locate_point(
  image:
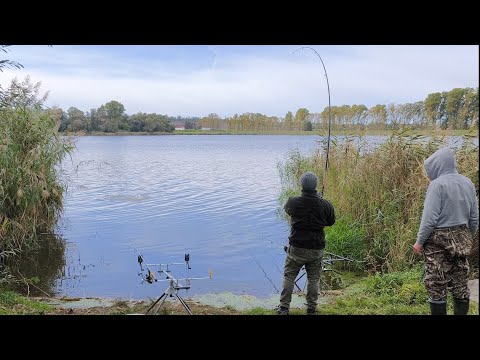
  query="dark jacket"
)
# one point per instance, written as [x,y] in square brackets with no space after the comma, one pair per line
[310,213]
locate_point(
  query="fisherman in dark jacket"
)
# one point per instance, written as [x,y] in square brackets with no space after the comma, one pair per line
[309,213]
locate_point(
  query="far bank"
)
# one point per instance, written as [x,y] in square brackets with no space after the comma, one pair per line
[425,132]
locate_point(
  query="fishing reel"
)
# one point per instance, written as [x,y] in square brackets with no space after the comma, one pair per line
[150,278]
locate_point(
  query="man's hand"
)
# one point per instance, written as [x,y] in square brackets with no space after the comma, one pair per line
[417,248]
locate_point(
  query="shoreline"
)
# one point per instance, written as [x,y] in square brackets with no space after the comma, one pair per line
[350,300]
[473,133]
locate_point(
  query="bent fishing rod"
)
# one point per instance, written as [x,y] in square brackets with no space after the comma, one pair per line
[329,115]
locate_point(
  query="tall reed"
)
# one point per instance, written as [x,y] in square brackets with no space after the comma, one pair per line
[31,190]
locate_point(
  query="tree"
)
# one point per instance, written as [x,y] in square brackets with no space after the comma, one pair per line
[301,117]
[325,116]
[288,121]
[315,119]
[359,113]
[56,114]
[378,116]
[137,121]
[393,115]
[114,109]
[212,121]
[469,113]
[100,118]
[109,117]
[442,113]
[77,120]
[113,116]
[455,101]
[111,125]
[307,126]
[93,120]
[432,107]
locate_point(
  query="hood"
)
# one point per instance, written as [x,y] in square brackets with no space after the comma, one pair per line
[441,162]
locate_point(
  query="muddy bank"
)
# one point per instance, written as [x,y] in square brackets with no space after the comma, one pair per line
[208,304]
[369,296]
[96,306]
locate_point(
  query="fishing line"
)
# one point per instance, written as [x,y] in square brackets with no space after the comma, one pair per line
[329,114]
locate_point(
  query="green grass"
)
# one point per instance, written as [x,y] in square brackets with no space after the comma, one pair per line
[261,311]
[12,303]
[396,293]
[347,239]
[389,294]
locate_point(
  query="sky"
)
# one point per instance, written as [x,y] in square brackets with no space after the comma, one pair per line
[197,80]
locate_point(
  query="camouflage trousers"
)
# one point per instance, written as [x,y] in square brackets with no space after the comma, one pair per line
[446,265]
[296,258]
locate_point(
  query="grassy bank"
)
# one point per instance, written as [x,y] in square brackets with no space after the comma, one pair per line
[378,194]
[397,293]
[12,303]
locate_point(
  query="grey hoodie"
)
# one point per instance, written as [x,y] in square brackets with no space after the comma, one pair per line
[450,199]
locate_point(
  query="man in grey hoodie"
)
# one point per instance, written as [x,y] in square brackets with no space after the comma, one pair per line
[449,222]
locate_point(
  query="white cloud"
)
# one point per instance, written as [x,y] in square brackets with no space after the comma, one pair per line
[235,83]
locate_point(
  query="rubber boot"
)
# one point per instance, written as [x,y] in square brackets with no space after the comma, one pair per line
[282,311]
[312,311]
[438,308]
[460,306]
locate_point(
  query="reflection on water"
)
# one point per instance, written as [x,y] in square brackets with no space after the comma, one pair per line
[40,269]
[214,197]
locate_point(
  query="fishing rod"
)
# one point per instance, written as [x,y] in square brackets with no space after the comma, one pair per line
[329,114]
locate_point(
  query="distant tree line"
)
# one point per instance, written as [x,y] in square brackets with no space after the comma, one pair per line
[111,118]
[455,109]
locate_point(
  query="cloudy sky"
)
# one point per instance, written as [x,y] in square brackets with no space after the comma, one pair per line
[198,80]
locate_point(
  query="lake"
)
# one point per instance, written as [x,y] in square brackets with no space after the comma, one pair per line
[214,197]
